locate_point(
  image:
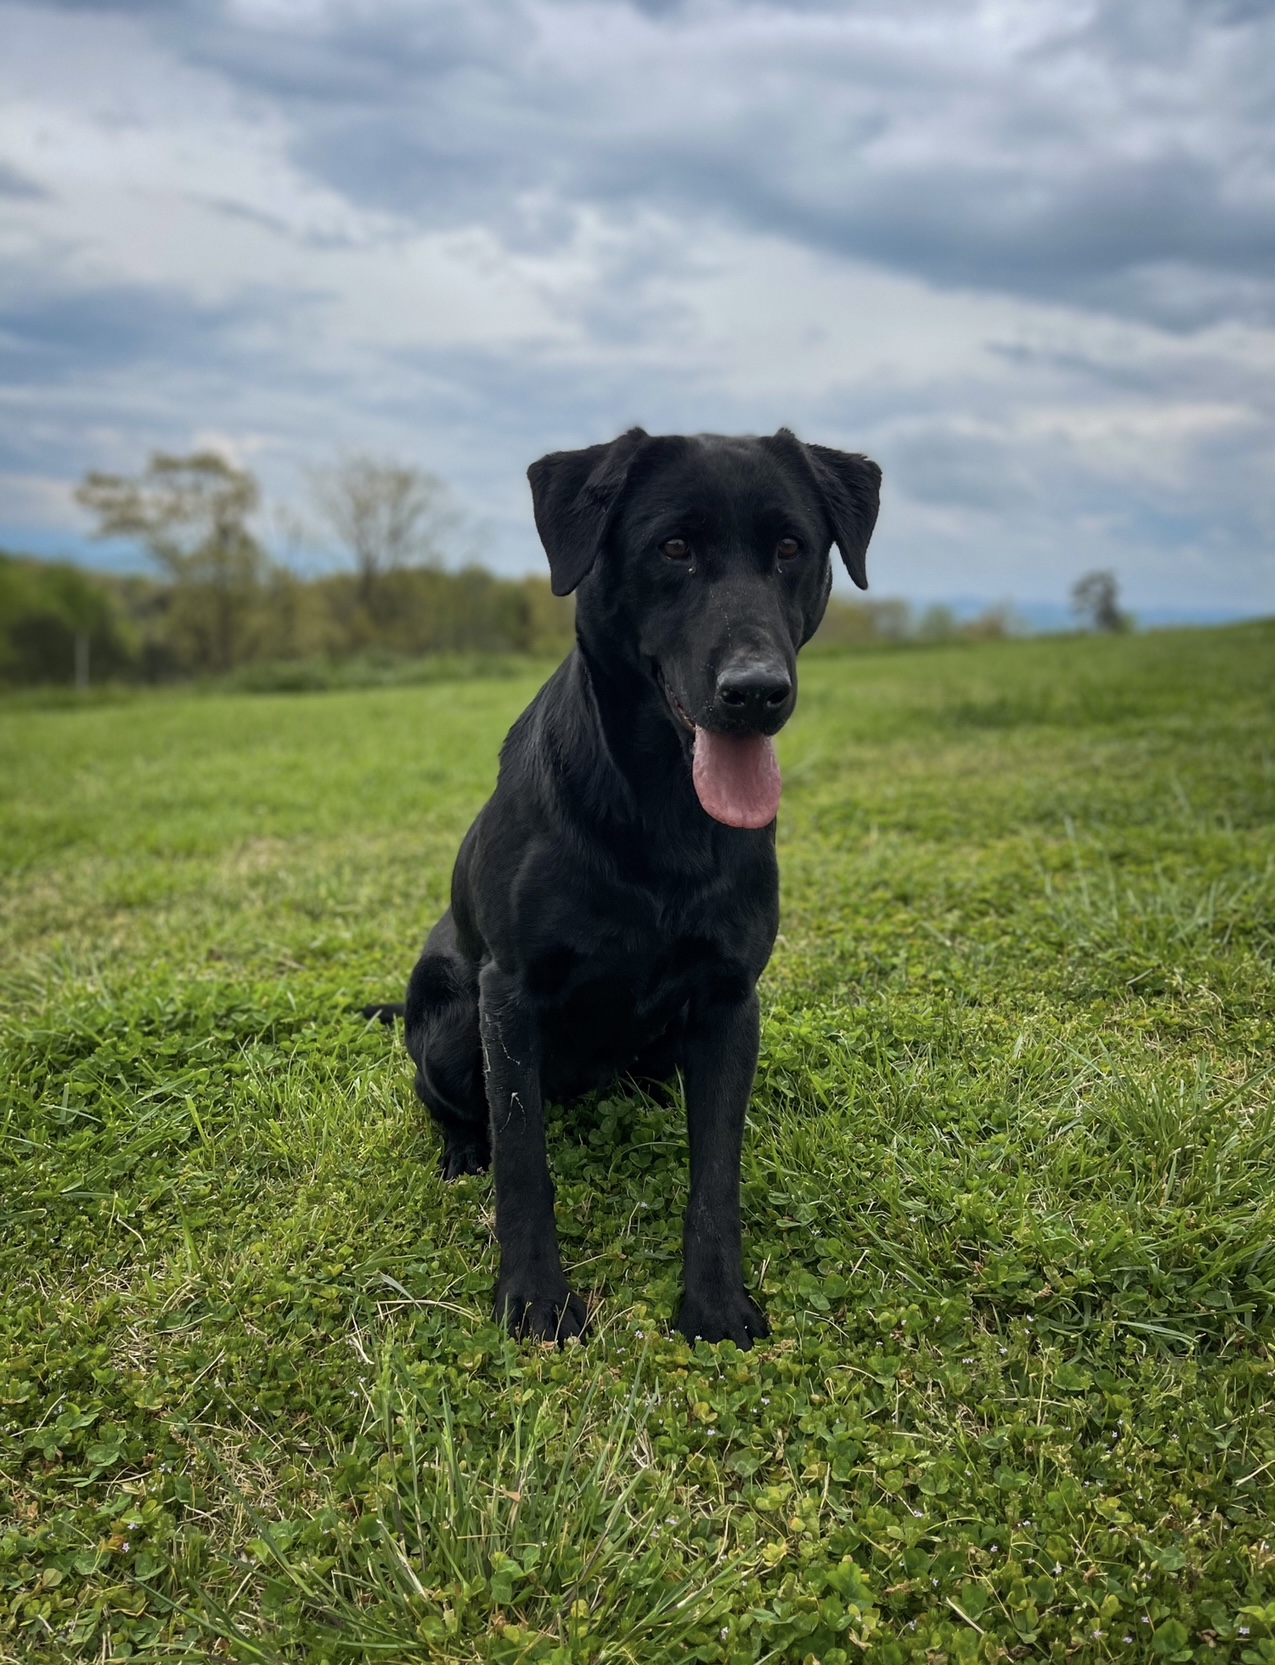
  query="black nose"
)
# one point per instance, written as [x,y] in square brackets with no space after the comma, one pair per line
[754,693]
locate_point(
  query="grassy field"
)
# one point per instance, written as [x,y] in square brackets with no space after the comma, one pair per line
[1007,1198]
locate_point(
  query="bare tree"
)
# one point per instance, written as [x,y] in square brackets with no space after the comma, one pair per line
[191,514]
[386,514]
[1095,600]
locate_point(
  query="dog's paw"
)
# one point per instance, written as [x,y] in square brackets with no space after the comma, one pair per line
[470,1158]
[733,1316]
[535,1317]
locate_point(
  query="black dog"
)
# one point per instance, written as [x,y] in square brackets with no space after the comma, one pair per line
[617,898]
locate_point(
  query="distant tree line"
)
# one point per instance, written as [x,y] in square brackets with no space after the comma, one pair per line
[218,602]
[61,624]
[873,623]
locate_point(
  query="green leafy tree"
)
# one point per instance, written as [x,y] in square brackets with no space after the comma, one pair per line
[1095,600]
[191,514]
[55,622]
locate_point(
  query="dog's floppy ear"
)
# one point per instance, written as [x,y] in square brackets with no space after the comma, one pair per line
[574,494]
[849,486]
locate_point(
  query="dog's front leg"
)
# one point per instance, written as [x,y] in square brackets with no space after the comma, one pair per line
[721,1060]
[532,1297]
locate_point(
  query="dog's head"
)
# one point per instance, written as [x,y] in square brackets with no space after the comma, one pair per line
[705,562]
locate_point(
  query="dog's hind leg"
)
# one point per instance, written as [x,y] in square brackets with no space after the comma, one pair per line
[441,1024]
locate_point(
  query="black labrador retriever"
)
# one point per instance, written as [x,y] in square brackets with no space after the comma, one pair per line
[616,900]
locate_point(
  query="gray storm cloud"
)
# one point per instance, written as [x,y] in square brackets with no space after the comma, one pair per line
[1021,252]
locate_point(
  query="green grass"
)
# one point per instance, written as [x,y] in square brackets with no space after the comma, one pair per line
[1007,1198]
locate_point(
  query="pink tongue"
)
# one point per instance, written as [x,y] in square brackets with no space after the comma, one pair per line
[736,777]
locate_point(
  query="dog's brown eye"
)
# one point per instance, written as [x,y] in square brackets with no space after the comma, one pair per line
[677,549]
[787,548]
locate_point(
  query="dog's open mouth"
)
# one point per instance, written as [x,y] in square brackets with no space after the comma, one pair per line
[736,776]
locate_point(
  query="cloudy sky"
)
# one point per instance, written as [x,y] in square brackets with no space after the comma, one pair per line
[1017,250]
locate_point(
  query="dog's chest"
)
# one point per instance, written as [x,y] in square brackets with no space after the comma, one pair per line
[609,1004]
[640,951]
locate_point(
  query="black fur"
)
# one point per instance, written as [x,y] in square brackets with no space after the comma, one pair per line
[602,924]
